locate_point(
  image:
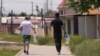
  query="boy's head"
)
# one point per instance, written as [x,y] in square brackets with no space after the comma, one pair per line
[27,18]
[57,15]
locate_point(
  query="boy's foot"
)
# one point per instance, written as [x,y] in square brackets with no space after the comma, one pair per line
[24,51]
[58,53]
[27,53]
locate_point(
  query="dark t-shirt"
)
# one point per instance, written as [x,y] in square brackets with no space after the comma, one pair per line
[57,24]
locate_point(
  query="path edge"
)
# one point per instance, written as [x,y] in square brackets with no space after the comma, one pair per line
[19,52]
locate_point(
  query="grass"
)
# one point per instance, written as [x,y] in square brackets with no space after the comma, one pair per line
[48,41]
[82,46]
[74,41]
[11,37]
[45,41]
[8,52]
[88,48]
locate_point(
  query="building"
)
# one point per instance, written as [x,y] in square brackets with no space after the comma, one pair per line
[67,15]
[87,24]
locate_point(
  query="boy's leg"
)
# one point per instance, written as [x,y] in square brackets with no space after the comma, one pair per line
[57,39]
[58,44]
[27,43]
[24,39]
[24,48]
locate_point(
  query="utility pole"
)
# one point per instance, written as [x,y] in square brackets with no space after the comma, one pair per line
[1,16]
[11,21]
[47,1]
[42,17]
[44,24]
[37,9]
[51,4]
[32,8]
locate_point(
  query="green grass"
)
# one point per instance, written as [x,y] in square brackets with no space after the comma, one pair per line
[74,41]
[88,48]
[48,41]
[8,52]
[11,37]
[45,40]
[82,46]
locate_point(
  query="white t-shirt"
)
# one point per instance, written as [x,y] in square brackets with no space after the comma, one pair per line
[26,27]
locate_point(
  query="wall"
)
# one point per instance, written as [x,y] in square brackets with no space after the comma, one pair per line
[5,28]
[90,26]
[81,25]
[99,26]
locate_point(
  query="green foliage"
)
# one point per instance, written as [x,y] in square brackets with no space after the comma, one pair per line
[88,48]
[23,14]
[74,41]
[10,14]
[84,5]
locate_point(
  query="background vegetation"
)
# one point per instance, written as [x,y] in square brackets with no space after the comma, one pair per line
[11,37]
[82,46]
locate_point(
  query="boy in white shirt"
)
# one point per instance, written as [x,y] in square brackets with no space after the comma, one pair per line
[26,27]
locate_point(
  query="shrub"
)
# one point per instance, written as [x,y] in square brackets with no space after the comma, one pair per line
[74,41]
[88,48]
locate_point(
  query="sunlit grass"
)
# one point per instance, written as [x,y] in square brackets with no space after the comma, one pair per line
[11,37]
[8,52]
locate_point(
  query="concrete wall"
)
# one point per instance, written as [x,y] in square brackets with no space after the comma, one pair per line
[99,26]
[90,29]
[72,26]
[91,26]
[81,25]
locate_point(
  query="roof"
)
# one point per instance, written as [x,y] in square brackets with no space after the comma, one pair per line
[95,11]
[62,4]
[92,12]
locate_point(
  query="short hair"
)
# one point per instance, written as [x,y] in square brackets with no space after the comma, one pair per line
[27,18]
[56,14]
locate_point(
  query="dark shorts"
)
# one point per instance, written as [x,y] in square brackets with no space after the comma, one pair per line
[57,35]
[26,38]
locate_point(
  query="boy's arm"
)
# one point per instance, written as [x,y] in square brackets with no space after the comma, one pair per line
[51,29]
[32,26]
[63,28]
[19,27]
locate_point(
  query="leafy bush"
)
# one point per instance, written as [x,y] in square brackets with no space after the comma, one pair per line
[74,41]
[88,48]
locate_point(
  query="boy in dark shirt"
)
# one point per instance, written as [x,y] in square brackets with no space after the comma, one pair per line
[57,25]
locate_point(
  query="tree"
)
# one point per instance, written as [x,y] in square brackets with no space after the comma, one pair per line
[50,14]
[23,14]
[10,14]
[83,5]
[38,11]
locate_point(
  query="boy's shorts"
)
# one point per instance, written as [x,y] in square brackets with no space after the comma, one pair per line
[26,38]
